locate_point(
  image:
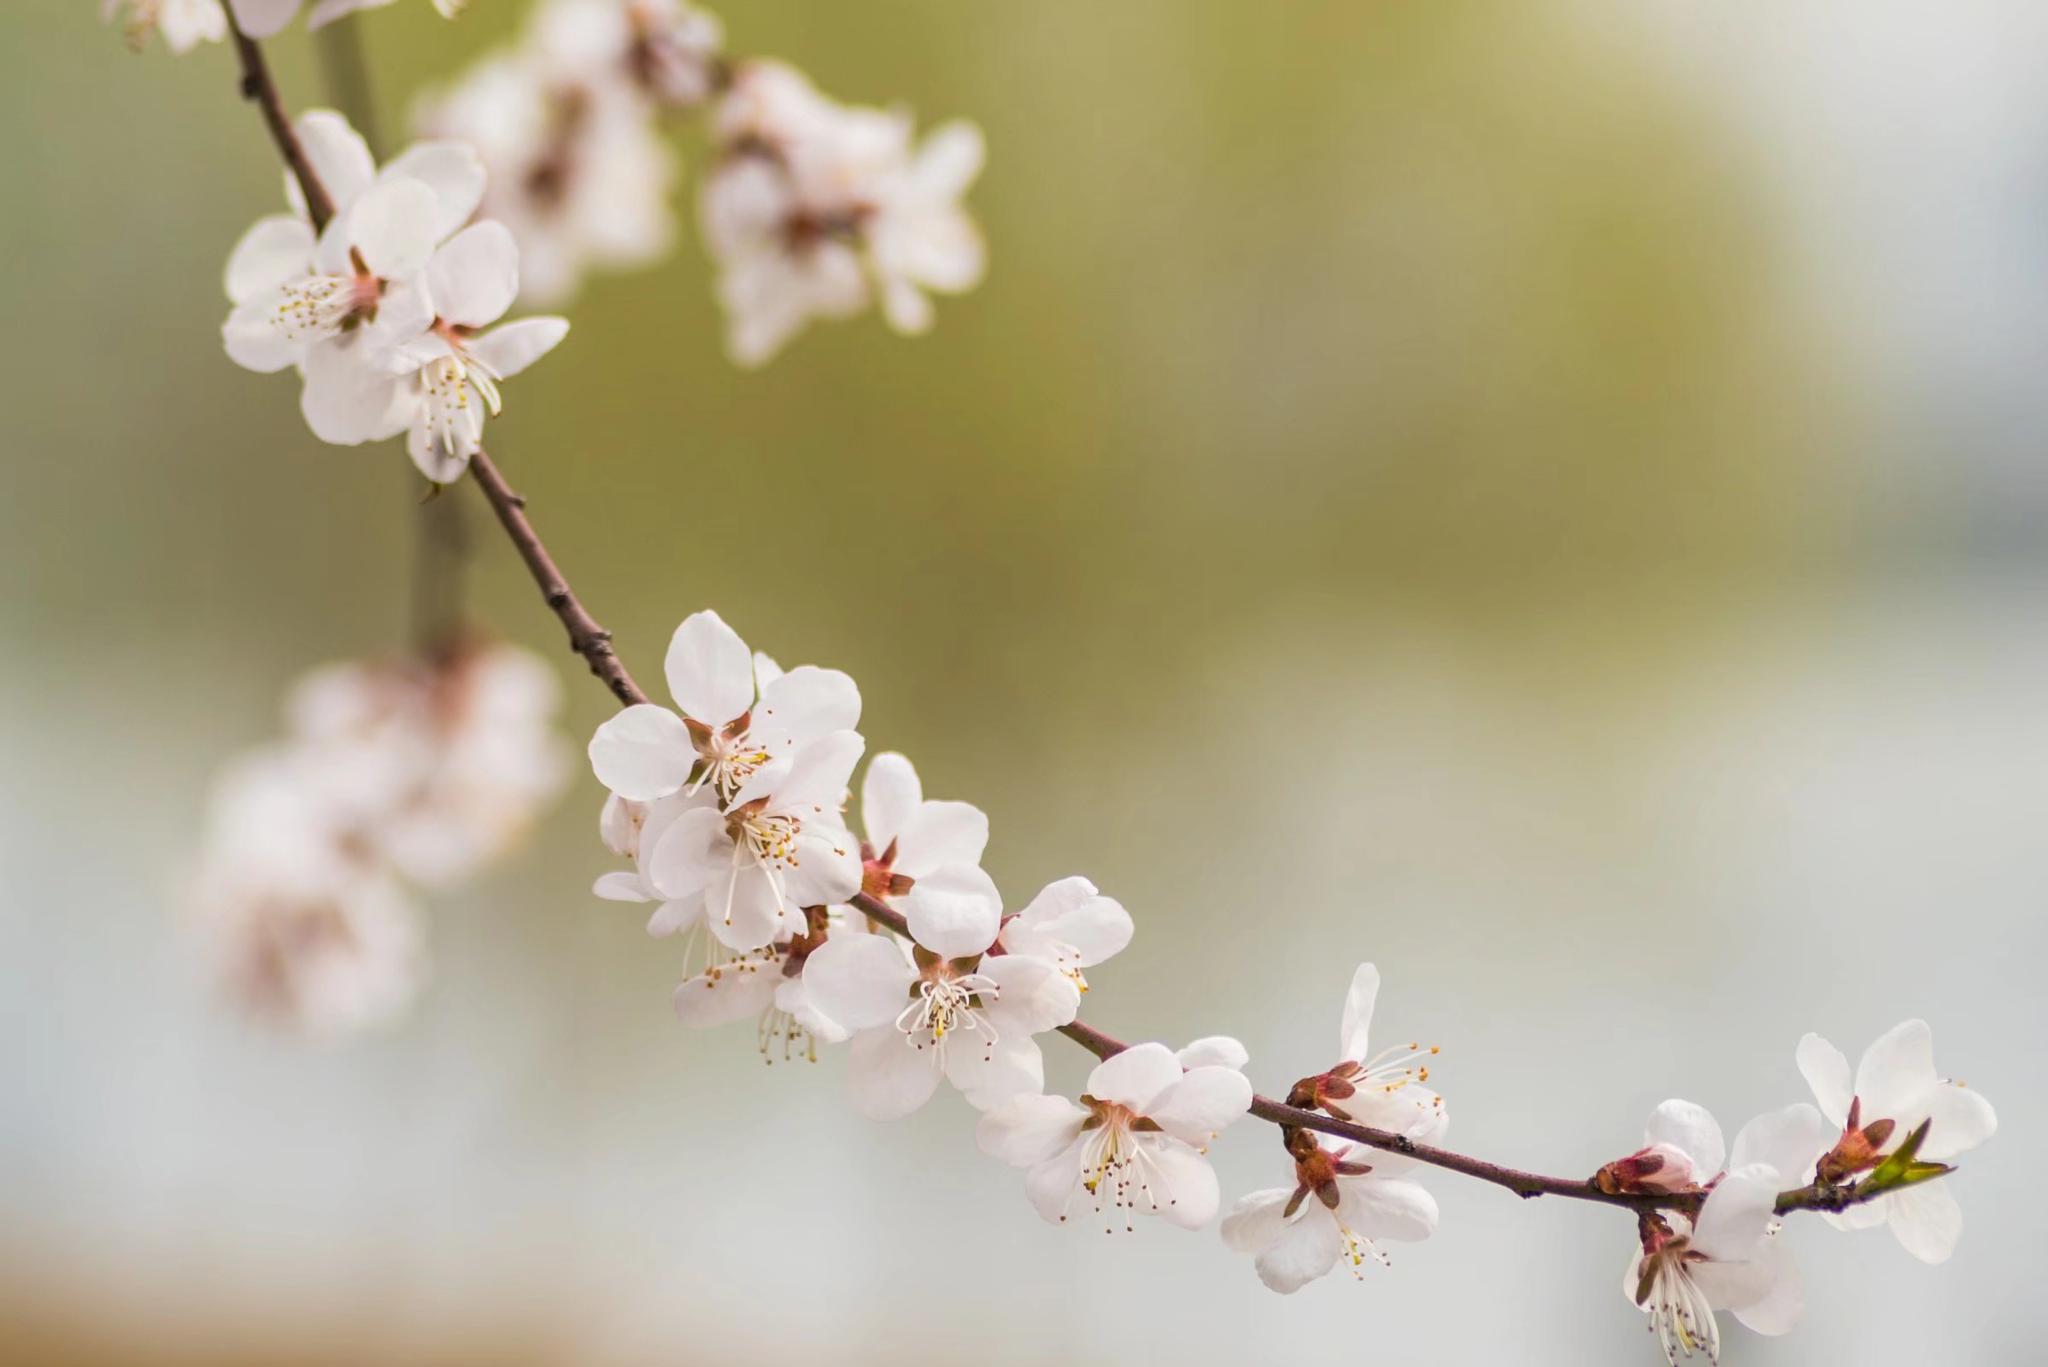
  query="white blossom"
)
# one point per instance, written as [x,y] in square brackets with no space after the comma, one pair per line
[940,1007]
[442,768]
[728,728]
[1134,1144]
[578,172]
[1345,1199]
[1071,925]
[183,24]
[309,931]
[1730,1257]
[1896,1089]
[813,205]
[752,867]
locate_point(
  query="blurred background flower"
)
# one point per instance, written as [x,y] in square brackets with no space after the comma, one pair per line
[1558,488]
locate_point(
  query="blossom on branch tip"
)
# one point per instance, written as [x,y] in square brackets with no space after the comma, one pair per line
[1133,1145]
[1344,1200]
[1894,1091]
[1728,1256]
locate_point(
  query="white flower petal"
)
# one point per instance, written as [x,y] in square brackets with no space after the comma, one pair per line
[739,990]
[828,866]
[861,981]
[942,833]
[511,348]
[346,402]
[620,886]
[1256,1220]
[1736,1215]
[1826,1070]
[1055,1185]
[804,704]
[275,249]
[710,673]
[889,793]
[1306,1249]
[1896,1070]
[1353,1031]
[340,159]
[1779,1309]
[688,855]
[990,1074]
[1386,1208]
[890,1079]
[452,170]
[1183,1185]
[1214,1051]
[1789,1142]
[819,773]
[391,225]
[642,753]
[1028,1130]
[1926,1219]
[1031,995]
[1201,1103]
[475,275]
[1693,1131]
[954,912]
[1133,1077]
[262,18]
[1961,1120]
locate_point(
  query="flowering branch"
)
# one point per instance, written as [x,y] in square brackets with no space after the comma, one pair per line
[1527,1185]
[732,815]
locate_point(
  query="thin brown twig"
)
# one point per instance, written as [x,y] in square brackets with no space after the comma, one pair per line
[590,640]
[586,637]
[258,85]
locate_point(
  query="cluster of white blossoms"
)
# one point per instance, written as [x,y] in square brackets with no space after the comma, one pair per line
[185,24]
[1897,1122]
[390,773]
[817,210]
[386,311]
[731,809]
[381,292]
[567,122]
[811,208]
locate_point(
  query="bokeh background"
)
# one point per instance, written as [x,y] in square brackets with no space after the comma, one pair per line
[1548,497]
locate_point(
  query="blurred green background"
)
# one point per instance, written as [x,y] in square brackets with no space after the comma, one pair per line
[1544,496]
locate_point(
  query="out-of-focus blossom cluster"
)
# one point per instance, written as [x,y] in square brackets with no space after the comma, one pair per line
[567,122]
[810,209]
[391,773]
[386,311]
[185,24]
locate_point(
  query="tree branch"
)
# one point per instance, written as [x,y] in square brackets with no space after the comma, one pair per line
[590,640]
[257,85]
[586,637]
